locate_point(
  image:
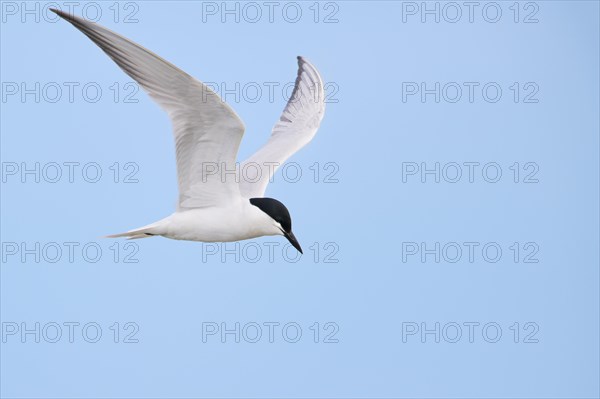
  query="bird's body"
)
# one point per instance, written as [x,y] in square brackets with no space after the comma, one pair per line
[214,206]
[237,221]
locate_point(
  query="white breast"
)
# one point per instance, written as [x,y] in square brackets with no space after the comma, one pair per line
[238,221]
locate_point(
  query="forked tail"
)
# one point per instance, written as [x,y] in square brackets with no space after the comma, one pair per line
[141,232]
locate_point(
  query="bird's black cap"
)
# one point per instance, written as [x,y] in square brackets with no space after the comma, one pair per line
[278,212]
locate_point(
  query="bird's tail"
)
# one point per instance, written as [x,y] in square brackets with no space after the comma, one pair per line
[141,232]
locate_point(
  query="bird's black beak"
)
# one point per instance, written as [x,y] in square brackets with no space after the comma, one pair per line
[292,239]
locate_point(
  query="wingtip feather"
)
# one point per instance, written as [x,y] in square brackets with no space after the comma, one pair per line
[60,13]
[66,16]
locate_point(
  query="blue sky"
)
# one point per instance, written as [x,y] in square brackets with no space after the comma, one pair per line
[448,206]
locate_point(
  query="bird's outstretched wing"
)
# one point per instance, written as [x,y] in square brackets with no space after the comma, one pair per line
[296,127]
[207,131]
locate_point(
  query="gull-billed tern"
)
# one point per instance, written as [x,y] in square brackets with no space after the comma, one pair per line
[215,207]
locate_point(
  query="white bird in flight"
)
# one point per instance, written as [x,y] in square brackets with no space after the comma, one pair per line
[215,207]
